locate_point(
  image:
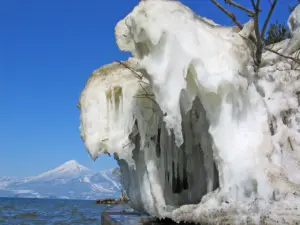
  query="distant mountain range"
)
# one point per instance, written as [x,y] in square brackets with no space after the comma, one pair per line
[69,181]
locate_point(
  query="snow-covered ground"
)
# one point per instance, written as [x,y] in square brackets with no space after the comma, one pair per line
[199,136]
[70,180]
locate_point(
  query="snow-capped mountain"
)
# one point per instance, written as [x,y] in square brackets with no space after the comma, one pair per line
[70,180]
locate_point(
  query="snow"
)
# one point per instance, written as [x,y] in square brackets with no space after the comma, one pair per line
[6,181]
[102,116]
[86,179]
[198,135]
[71,180]
[24,192]
[65,172]
[107,175]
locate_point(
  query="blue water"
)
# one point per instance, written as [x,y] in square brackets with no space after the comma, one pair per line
[18,211]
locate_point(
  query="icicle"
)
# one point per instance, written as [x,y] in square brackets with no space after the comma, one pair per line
[175,156]
[181,164]
[185,180]
[170,158]
[157,147]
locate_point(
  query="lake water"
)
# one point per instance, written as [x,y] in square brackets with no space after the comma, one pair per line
[20,211]
[23,211]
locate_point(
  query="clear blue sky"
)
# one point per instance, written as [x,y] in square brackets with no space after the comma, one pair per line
[47,51]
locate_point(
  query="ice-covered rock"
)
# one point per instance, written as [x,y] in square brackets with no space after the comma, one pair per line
[198,135]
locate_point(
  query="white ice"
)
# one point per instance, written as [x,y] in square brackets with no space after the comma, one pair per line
[198,135]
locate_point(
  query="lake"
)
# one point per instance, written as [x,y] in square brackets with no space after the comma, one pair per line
[49,211]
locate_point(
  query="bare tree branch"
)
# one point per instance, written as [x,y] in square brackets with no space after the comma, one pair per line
[135,73]
[256,5]
[259,36]
[297,64]
[284,56]
[257,8]
[233,18]
[229,14]
[258,53]
[144,89]
[268,19]
[290,142]
[146,96]
[124,146]
[230,2]
[253,4]
[256,41]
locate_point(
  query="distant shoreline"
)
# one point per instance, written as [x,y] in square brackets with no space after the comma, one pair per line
[7,197]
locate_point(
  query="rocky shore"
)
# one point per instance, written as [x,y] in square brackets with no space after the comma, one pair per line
[111,200]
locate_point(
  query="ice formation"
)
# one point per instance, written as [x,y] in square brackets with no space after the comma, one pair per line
[198,135]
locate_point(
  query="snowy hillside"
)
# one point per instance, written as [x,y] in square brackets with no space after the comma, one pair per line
[70,180]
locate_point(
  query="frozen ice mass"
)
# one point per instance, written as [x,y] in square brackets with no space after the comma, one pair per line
[199,136]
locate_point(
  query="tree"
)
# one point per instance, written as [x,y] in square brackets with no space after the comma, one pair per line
[258,39]
[278,32]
